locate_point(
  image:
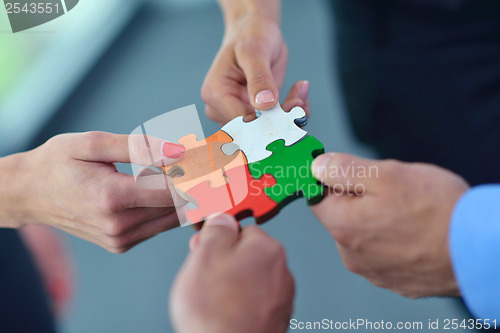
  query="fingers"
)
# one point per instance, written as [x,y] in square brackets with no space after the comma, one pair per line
[151,151]
[257,243]
[194,242]
[120,223]
[138,149]
[250,238]
[147,230]
[347,174]
[335,209]
[120,242]
[298,96]
[219,234]
[130,219]
[227,108]
[124,192]
[262,88]
[223,91]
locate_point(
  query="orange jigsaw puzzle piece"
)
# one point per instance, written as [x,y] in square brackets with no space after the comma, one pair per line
[203,161]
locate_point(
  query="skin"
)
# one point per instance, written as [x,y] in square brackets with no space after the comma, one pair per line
[252,58]
[232,281]
[71,183]
[395,232]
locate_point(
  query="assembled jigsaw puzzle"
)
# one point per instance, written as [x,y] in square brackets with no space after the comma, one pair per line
[249,168]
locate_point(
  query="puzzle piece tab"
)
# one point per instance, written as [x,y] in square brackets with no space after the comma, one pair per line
[291,167]
[253,137]
[243,196]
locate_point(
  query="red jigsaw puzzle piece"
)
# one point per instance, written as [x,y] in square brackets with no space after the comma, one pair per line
[243,196]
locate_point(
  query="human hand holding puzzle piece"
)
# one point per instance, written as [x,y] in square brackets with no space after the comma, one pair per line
[249,168]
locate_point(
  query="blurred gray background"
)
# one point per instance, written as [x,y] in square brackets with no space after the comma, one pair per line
[158,64]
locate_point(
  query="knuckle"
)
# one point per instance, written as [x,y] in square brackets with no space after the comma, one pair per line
[385,283]
[116,242]
[278,252]
[353,267]
[108,201]
[394,167]
[340,161]
[207,91]
[111,250]
[273,248]
[57,138]
[211,114]
[408,294]
[92,140]
[254,232]
[342,236]
[113,227]
[60,143]
[116,250]
[259,76]
[285,51]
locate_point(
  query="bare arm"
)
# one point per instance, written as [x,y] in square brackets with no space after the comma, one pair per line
[71,183]
[248,71]
[234,10]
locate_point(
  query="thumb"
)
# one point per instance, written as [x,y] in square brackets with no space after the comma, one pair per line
[262,89]
[219,233]
[346,174]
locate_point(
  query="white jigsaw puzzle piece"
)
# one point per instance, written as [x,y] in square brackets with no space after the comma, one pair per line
[253,137]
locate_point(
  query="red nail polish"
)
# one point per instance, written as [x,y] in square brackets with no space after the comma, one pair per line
[173,150]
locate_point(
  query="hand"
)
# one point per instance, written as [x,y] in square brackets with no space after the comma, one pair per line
[390,221]
[248,70]
[71,183]
[54,263]
[232,282]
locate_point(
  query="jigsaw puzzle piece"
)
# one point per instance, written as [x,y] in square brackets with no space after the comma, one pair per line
[291,167]
[256,203]
[203,161]
[243,196]
[219,159]
[253,137]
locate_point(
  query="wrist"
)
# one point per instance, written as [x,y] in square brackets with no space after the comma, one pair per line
[234,11]
[13,190]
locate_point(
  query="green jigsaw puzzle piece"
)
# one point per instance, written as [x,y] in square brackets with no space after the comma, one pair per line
[291,166]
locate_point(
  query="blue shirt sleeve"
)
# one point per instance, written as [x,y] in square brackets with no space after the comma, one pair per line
[475,250]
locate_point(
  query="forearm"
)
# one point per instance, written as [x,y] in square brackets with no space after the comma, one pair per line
[12,185]
[235,9]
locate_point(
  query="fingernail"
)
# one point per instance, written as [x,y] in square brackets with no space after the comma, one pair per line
[222,220]
[172,150]
[320,163]
[265,96]
[304,88]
